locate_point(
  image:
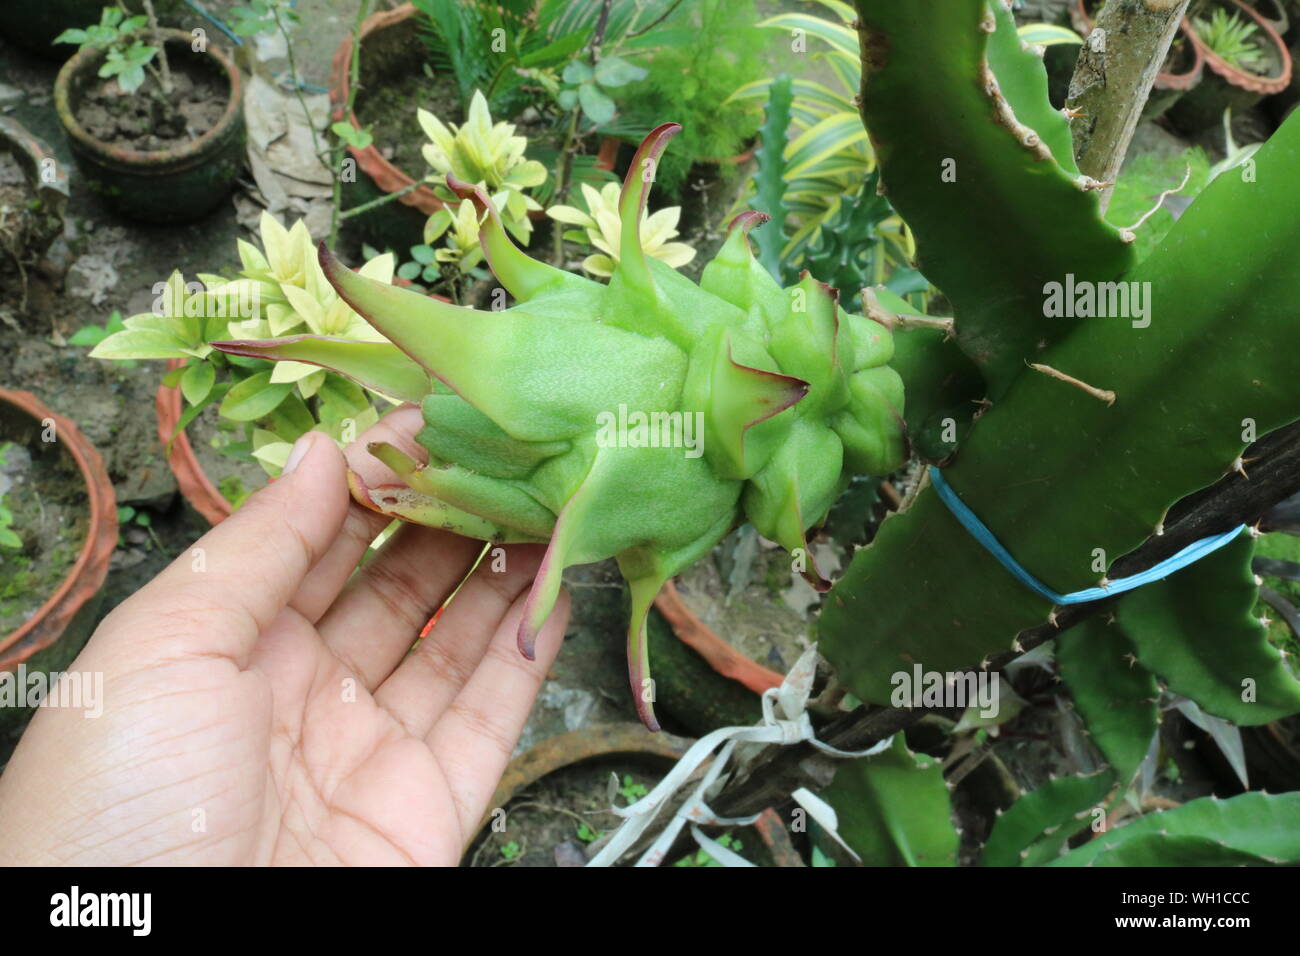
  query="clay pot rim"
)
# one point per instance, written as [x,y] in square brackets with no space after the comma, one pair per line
[574,747]
[194,484]
[386,176]
[602,741]
[1240,78]
[89,571]
[37,150]
[177,157]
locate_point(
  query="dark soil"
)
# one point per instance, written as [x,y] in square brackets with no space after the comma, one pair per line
[26,231]
[150,120]
[544,825]
[41,485]
[16,198]
[389,111]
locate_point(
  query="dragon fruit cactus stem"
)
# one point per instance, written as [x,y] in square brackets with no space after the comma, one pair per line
[791,393]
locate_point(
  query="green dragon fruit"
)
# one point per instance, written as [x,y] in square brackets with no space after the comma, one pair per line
[640,419]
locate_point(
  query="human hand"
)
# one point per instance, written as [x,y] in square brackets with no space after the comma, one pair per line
[261,708]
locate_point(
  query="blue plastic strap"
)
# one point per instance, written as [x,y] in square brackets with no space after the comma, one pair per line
[193,5]
[980,532]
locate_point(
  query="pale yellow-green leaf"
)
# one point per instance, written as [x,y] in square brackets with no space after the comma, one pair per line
[139,344]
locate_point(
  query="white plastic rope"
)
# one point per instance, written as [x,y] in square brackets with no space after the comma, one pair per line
[793,727]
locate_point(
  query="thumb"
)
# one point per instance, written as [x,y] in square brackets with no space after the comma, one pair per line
[217,597]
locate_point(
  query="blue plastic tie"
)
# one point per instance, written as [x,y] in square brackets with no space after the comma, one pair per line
[193,5]
[980,532]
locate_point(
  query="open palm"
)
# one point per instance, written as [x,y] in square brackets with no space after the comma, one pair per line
[260,704]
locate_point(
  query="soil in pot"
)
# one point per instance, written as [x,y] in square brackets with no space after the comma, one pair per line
[549,823]
[389,110]
[214,441]
[43,489]
[150,119]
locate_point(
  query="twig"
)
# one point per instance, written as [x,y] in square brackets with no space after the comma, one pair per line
[891,320]
[654,23]
[163,65]
[381,201]
[1104,394]
[564,162]
[1160,201]
[336,158]
[321,155]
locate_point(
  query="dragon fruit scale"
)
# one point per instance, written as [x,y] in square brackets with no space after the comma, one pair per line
[640,419]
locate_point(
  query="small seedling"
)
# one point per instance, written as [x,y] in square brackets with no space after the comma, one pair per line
[127,57]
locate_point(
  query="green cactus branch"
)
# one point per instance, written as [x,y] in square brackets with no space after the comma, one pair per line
[991,159]
[777,771]
[1066,481]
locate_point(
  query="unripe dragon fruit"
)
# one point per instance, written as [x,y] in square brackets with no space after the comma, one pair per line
[778,395]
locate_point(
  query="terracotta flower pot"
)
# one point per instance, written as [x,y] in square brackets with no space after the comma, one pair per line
[1251,82]
[173,185]
[400,226]
[1229,87]
[720,655]
[53,635]
[195,486]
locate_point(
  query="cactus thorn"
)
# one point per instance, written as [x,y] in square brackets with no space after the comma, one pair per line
[1071,113]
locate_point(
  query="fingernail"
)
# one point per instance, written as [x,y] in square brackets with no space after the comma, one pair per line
[298,453]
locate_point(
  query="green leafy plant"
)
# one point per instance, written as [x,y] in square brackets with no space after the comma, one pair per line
[785,395]
[512,51]
[128,515]
[485,154]
[715,50]
[1231,36]
[587,87]
[8,537]
[279,291]
[630,790]
[511,850]
[815,163]
[702,857]
[126,55]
